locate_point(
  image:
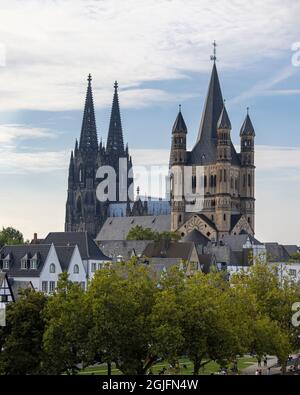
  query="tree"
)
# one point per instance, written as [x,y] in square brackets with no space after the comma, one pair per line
[121,299]
[22,344]
[207,330]
[140,233]
[68,321]
[10,236]
[274,298]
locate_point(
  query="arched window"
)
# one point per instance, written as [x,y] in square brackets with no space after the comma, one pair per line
[76,269]
[224,217]
[225,175]
[205,181]
[52,268]
[249,180]
[80,174]
[79,206]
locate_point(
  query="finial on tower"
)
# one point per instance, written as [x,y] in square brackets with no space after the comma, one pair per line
[247,110]
[138,191]
[89,78]
[179,107]
[116,85]
[214,56]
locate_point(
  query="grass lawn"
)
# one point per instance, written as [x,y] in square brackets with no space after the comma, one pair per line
[211,367]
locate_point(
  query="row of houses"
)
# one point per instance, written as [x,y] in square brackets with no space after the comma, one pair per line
[38,265]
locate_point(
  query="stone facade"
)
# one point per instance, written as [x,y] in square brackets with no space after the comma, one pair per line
[218,178]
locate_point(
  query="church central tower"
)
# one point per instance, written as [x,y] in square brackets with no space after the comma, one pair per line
[228,177]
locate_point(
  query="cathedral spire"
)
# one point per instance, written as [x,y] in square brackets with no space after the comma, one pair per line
[115,142]
[247,128]
[88,137]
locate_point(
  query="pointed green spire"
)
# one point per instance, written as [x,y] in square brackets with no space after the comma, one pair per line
[88,137]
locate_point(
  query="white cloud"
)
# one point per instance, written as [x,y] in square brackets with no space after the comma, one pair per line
[52,45]
[11,132]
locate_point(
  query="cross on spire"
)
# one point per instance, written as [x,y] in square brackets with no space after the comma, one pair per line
[214,56]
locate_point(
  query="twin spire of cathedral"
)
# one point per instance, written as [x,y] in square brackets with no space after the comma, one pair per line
[88,138]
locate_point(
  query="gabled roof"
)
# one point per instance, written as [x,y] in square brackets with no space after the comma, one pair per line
[117,228]
[124,248]
[86,245]
[196,237]
[236,242]
[276,252]
[19,252]
[205,149]
[64,254]
[224,121]
[165,249]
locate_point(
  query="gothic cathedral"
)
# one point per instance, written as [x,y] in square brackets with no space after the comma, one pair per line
[83,211]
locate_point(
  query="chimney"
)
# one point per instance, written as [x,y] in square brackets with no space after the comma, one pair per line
[35,241]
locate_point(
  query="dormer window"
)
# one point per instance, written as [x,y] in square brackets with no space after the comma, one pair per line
[24,262]
[34,262]
[6,262]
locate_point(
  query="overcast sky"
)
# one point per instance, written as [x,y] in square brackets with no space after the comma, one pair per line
[159,51]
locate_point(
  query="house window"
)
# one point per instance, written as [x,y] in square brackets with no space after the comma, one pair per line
[293,272]
[94,267]
[33,264]
[76,269]
[4,298]
[45,286]
[52,268]
[5,265]
[51,286]
[24,264]
[99,266]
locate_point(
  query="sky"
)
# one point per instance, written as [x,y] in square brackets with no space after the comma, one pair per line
[159,51]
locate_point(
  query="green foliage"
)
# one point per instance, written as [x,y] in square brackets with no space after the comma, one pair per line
[22,337]
[68,322]
[121,299]
[10,236]
[130,317]
[140,233]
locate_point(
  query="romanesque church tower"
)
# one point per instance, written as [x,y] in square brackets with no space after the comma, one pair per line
[227,178]
[83,211]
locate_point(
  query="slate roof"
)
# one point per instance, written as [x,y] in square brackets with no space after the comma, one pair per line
[169,250]
[247,128]
[236,242]
[291,249]
[179,124]
[87,247]
[224,121]
[117,228]
[196,237]
[124,248]
[64,254]
[205,149]
[18,286]
[19,251]
[206,262]
[276,252]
